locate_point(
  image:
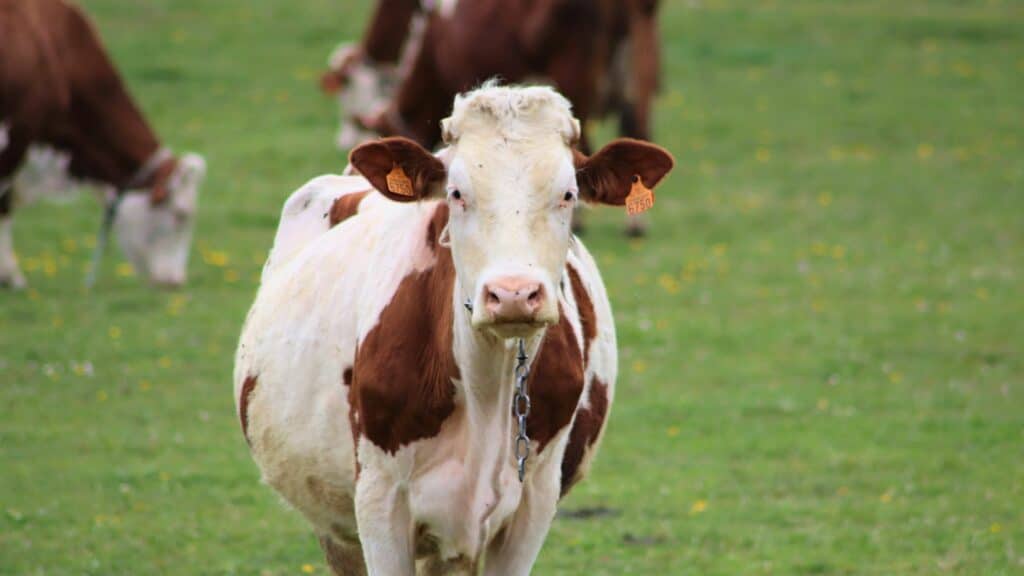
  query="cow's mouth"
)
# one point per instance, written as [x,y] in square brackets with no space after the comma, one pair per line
[507,328]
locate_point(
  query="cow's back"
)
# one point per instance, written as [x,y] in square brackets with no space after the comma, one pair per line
[31,83]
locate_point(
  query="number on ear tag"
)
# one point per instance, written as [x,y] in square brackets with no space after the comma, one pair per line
[640,199]
[399,183]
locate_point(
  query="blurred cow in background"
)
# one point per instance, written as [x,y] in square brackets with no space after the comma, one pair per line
[65,109]
[603,55]
[364,75]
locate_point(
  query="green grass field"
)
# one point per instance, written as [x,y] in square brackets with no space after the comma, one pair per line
[821,341]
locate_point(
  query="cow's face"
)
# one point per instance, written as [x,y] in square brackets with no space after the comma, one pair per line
[156,237]
[511,179]
[362,90]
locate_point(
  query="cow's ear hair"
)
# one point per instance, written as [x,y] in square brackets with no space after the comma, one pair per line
[607,177]
[399,168]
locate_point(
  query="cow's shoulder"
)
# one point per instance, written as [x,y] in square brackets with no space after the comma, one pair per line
[402,388]
[311,211]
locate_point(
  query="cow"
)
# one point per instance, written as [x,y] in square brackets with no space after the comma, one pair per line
[65,108]
[376,370]
[364,75]
[603,55]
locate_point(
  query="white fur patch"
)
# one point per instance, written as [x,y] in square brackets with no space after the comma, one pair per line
[44,176]
[516,111]
[10,274]
[305,216]
[448,8]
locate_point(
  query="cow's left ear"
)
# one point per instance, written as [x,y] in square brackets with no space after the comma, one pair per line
[399,168]
[607,177]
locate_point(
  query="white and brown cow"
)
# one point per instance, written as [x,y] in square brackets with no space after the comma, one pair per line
[374,375]
[66,116]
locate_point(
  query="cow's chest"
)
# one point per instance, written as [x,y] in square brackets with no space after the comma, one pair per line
[464,491]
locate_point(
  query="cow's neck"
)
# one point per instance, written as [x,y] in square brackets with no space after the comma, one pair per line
[487,366]
[109,138]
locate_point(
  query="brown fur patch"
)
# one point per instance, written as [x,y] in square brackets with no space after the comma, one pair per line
[585,431]
[243,404]
[402,389]
[345,207]
[387,30]
[588,319]
[344,557]
[556,382]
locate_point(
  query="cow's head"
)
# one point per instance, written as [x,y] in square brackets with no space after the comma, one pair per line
[362,89]
[156,237]
[511,178]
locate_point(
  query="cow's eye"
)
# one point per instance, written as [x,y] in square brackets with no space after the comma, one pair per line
[569,196]
[455,195]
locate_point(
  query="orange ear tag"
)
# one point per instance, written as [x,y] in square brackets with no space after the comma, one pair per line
[640,199]
[399,183]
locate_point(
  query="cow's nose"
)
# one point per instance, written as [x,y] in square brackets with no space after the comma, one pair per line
[513,299]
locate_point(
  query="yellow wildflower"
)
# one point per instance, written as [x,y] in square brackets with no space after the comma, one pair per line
[639,366]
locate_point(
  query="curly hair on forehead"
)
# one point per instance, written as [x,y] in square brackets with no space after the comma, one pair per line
[518,112]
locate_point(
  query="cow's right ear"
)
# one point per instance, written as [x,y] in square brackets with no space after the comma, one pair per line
[399,168]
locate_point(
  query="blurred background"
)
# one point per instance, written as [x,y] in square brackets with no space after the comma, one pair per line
[820,336]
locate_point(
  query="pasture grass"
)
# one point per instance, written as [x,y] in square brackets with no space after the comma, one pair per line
[821,340]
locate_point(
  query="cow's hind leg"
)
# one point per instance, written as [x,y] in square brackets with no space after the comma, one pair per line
[344,555]
[11,154]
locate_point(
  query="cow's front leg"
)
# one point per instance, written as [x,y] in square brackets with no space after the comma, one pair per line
[515,550]
[10,273]
[385,524]
[13,147]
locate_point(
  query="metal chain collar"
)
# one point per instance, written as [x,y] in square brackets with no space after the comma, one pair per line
[521,410]
[520,404]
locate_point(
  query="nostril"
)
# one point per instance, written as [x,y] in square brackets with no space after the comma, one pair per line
[534,297]
[492,298]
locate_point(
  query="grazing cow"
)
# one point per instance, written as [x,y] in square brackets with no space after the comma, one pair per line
[64,106]
[364,75]
[374,376]
[603,55]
